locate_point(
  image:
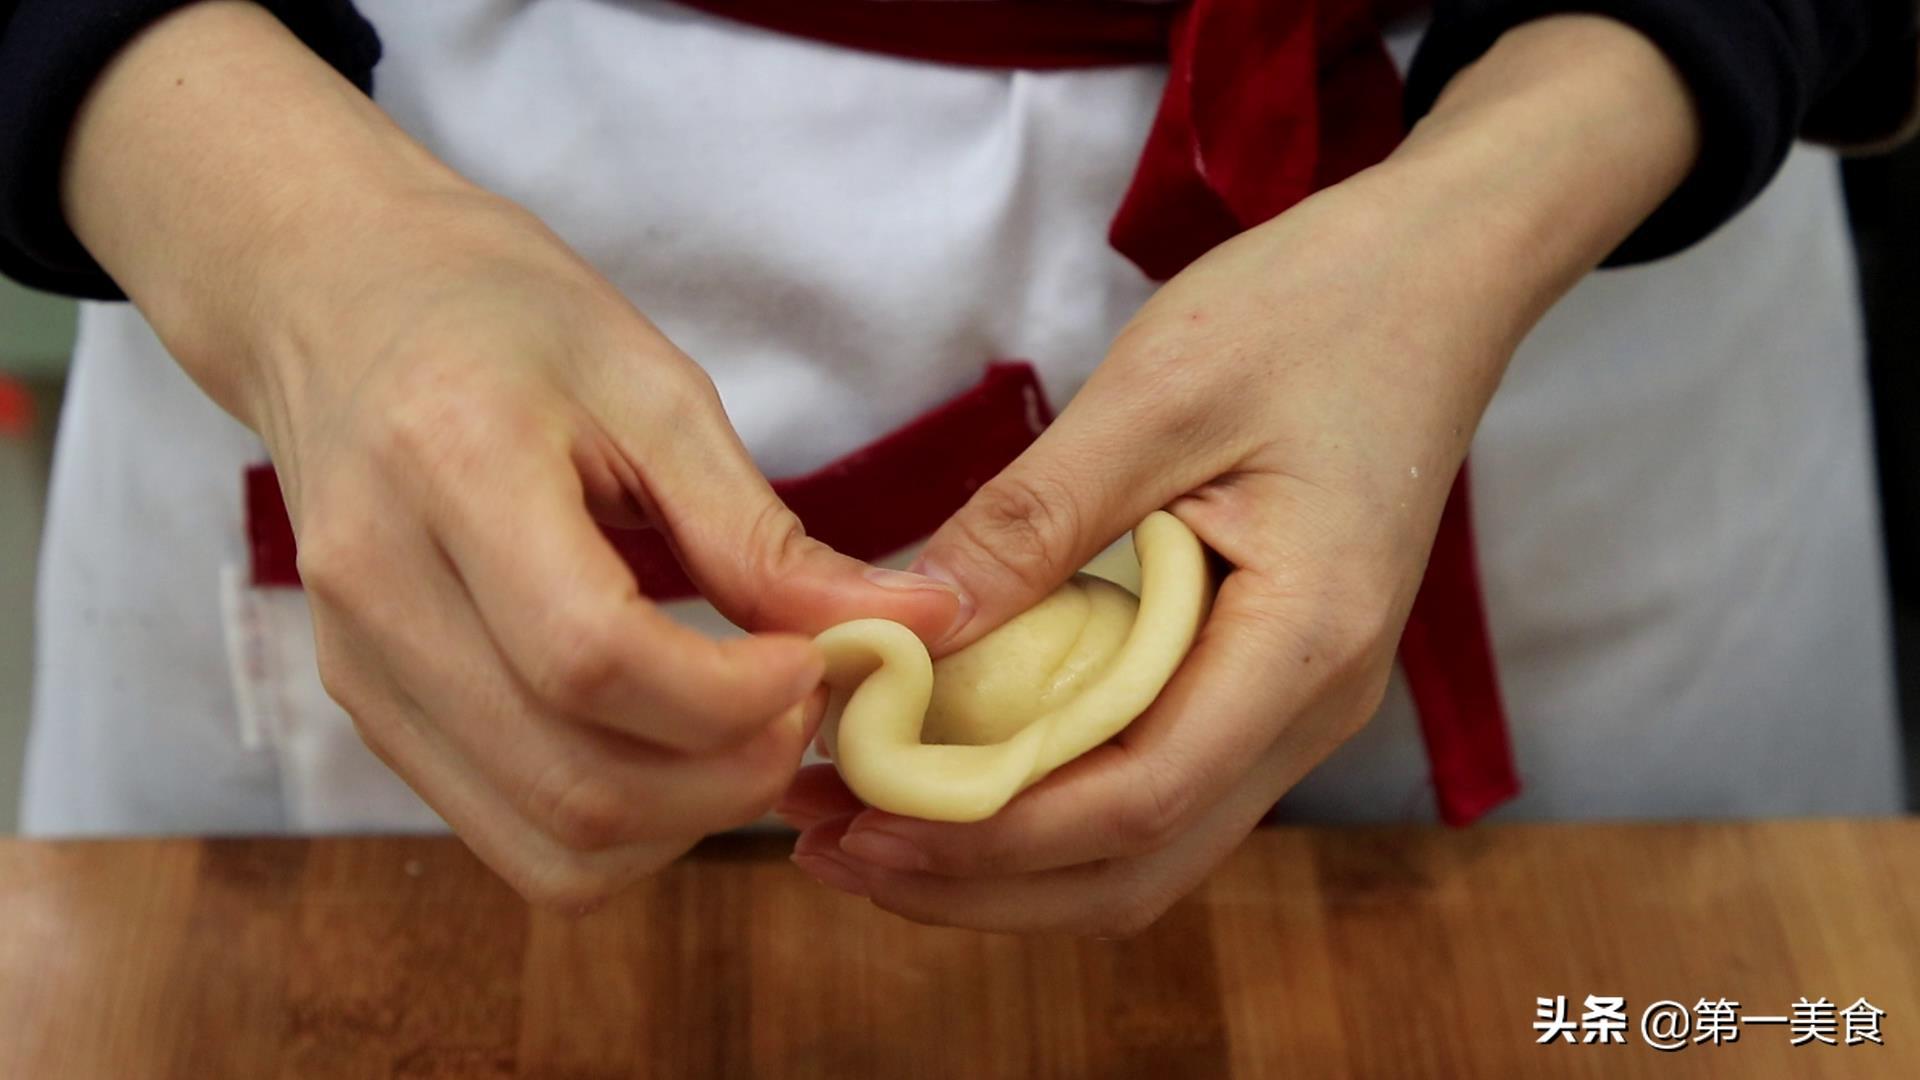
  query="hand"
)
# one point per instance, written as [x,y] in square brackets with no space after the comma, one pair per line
[440,452]
[452,398]
[1302,397]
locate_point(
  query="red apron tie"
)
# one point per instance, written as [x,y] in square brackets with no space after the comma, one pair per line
[1446,652]
[1266,102]
[1240,134]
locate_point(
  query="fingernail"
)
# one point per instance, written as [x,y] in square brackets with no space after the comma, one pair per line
[907,581]
[961,615]
[831,872]
[883,849]
[809,680]
[815,711]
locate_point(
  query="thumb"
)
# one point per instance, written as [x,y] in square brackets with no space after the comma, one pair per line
[750,555]
[1078,488]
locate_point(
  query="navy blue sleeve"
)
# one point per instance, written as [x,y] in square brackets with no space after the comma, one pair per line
[1758,70]
[50,53]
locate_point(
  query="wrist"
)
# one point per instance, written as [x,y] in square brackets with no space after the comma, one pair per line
[1534,164]
[1538,159]
[216,168]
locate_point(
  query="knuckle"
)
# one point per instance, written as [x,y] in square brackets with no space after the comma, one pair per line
[447,418]
[579,661]
[332,561]
[679,396]
[382,731]
[777,542]
[682,402]
[582,810]
[1156,814]
[765,771]
[1023,523]
[358,691]
[418,430]
[567,885]
[342,680]
[694,389]
[374,736]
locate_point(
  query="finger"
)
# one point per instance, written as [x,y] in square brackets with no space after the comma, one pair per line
[1117,453]
[586,787]
[817,853]
[1112,899]
[742,546]
[508,511]
[817,794]
[401,735]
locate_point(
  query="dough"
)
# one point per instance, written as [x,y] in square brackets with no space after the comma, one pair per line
[955,740]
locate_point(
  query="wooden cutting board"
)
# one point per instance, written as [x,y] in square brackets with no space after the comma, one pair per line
[1311,953]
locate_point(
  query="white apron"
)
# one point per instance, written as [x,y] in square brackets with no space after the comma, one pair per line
[1672,490]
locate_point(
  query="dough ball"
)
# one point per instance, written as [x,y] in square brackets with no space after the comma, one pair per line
[990,690]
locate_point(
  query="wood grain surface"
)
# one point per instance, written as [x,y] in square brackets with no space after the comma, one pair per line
[1312,953]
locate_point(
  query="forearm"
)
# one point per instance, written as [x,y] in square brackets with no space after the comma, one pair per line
[1531,168]
[1381,314]
[1553,148]
[214,156]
